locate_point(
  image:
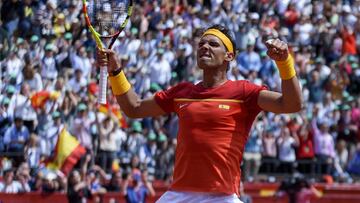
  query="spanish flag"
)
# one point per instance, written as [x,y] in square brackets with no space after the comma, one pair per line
[67,153]
[104,108]
[39,99]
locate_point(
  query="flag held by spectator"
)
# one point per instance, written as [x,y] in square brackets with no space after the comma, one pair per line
[104,108]
[67,153]
[39,99]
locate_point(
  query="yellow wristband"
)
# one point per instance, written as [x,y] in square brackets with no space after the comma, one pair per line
[119,84]
[286,68]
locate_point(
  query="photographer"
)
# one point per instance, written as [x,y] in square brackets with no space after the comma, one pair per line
[298,189]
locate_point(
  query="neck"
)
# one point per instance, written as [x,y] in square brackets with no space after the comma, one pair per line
[214,78]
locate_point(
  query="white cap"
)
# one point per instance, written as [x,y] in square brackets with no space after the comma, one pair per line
[346,8]
[254,16]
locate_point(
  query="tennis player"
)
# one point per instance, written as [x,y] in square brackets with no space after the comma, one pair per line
[215,115]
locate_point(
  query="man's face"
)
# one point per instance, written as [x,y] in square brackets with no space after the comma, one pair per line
[18,123]
[211,52]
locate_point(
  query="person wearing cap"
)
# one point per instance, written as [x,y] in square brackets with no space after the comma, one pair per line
[35,51]
[21,47]
[5,119]
[50,136]
[147,154]
[49,69]
[13,66]
[81,127]
[160,70]
[135,138]
[215,115]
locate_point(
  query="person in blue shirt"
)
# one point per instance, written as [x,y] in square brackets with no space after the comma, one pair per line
[15,139]
[137,187]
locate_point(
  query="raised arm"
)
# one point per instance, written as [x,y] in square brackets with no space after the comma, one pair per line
[290,98]
[129,101]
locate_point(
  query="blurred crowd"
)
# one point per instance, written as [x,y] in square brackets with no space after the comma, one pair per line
[45,47]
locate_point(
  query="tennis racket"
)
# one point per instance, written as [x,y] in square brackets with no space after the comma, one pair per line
[105,20]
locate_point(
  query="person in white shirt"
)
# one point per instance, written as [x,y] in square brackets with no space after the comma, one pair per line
[160,70]
[77,83]
[48,64]
[81,61]
[286,146]
[9,185]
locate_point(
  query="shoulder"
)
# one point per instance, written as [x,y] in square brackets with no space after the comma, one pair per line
[181,87]
[185,85]
[246,85]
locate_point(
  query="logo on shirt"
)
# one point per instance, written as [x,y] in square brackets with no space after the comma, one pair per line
[182,106]
[223,106]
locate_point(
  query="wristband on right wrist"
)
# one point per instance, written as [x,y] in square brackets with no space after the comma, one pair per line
[119,84]
[286,68]
[115,72]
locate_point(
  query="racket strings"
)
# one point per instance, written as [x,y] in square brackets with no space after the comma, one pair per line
[107,16]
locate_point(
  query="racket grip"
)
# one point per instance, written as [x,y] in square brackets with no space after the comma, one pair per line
[102,85]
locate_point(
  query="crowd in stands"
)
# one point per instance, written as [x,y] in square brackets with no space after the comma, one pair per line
[45,48]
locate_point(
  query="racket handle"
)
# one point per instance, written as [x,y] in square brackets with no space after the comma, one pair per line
[102,85]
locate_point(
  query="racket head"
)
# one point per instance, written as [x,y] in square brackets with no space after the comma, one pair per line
[107,18]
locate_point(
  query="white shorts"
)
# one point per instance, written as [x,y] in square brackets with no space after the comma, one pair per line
[195,197]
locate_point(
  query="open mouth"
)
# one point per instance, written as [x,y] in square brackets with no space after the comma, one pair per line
[205,55]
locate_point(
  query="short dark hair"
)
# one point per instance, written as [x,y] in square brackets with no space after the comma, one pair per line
[226,32]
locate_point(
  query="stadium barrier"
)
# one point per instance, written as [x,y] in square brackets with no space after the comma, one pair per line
[260,192]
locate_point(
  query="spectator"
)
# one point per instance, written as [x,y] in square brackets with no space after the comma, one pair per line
[287,143]
[78,190]
[15,139]
[324,147]
[116,182]
[137,188]
[9,185]
[160,70]
[269,153]
[248,60]
[33,152]
[5,120]
[49,69]
[252,155]
[51,134]
[305,150]
[107,145]
[33,78]
[147,155]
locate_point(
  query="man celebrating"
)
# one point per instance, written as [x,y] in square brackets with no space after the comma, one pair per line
[215,115]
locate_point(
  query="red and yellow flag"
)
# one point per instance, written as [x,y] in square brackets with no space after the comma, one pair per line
[39,99]
[67,153]
[104,108]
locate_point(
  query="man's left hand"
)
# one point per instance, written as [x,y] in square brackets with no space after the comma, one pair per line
[277,49]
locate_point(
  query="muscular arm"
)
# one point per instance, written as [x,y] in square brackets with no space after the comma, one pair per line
[134,107]
[289,101]
[290,98]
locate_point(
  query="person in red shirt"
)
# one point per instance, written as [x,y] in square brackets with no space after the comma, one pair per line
[305,151]
[215,115]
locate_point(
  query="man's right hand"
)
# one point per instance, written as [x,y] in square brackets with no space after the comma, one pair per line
[107,58]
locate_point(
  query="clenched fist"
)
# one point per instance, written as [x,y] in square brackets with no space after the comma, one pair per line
[277,49]
[107,58]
